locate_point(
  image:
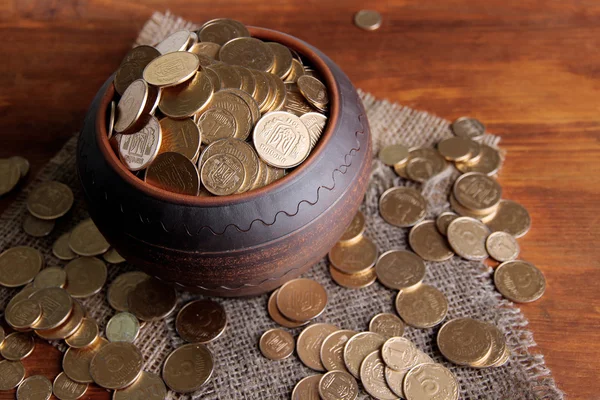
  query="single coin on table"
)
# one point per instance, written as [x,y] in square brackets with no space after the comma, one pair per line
[422,307]
[510,217]
[113,257]
[332,350]
[354,258]
[122,327]
[67,328]
[50,277]
[148,386]
[19,265]
[116,365]
[152,300]
[276,344]
[188,368]
[61,249]
[502,246]
[50,200]
[519,281]
[56,305]
[201,321]
[394,154]
[498,354]
[402,206]
[428,242]
[358,280]
[65,388]
[276,315]
[368,20]
[355,230]
[399,353]
[118,291]
[358,347]
[85,276]
[467,237]
[301,299]
[12,374]
[400,269]
[86,239]
[387,325]
[464,341]
[76,362]
[85,335]
[309,344]
[417,383]
[443,220]
[372,376]
[17,346]
[338,385]
[37,227]
[23,314]
[36,387]
[307,388]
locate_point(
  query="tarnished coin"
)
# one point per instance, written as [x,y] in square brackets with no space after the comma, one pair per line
[309,344]
[206,48]
[368,20]
[338,385]
[56,305]
[122,327]
[86,239]
[174,172]
[372,376]
[354,258]
[65,388]
[152,300]
[180,136]
[9,175]
[332,350]
[85,276]
[399,269]
[23,315]
[510,217]
[464,341]
[417,383]
[222,30]
[188,367]
[358,280]
[443,220]
[281,139]
[467,236]
[355,230]
[314,122]
[477,192]
[177,41]
[466,127]
[131,106]
[171,69]
[488,163]
[307,388]
[37,227]
[519,281]
[283,59]
[148,386]
[502,246]
[455,148]
[50,277]
[11,374]
[140,148]
[314,91]
[85,335]
[222,174]
[276,344]
[113,257]
[301,299]
[399,353]
[61,249]
[50,200]
[116,365]
[19,265]
[67,328]
[428,242]
[402,206]
[276,315]
[358,347]
[17,346]
[201,321]
[187,98]
[133,65]
[394,154]
[422,307]
[76,362]
[118,291]
[215,124]
[248,52]
[35,387]
[387,325]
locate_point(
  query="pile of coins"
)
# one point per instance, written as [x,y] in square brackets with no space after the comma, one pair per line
[46,203]
[12,170]
[215,112]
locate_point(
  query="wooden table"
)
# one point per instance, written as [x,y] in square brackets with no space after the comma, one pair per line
[530,70]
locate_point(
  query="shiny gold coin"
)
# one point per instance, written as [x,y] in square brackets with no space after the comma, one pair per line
[187,98]
[180,136]
[122,327]
[511,217]
[177,41]
[188,368]
[353,281]
[338,385]
[248,86]
[519,281]
[222,174]
[19,265]
[475,152]
[372,376]
[314,91]
[395,379]
[369,20]
[466,127]
[17,346]
[50,277]
[151,136]
[113,257]
[276,344]
[443,220]
[498,349]
[455,148]
[355,230]
[11,374]
[9,175]
[215,124]
[502,246]
[394,154]
[56,305]
[268,129]
[276,315]
[84,336]
[387,325]
[201,321]
[428,242]
[354,258]
[148,386]
[248,99]
[399,353]
[399,269]
[296,72]
[279,91]
[228,75]
[23,315]
[283,59]
[417,383]
[477,192]
[65,388]
[67,328]
[50,200]
[76,362]
[315,123]
[489,162]
[222,30]
[119,290]
[238,108]
[85,276]
[423,307]
[261,92]
[307,388]
[171,69]
[86,239]
[242,151]
[206,48]
[504,359]
[152,300]
[248,52]
[467,236]
[133,65]
[35,387]
[131,106]
[174,172]
[358,347]
[301,299]
[61,249]
[464,341]
[402,206]
[309,344]
[332,350]
[36,227]
[116,365]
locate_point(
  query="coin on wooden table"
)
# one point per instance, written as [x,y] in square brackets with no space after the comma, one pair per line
[222,174]
[276,315]
[23,315]
[171,69]
[122,327]
[387,325]
[428,242]
[402,206]
[9,175]
[358,280]
[177,41]
[76,362]
[50,277]
[372,376]
[354,258]
[422,307]
[467,236]
[417,383]
[61,249]
[12,374]
[358,347]
[148,386]
[187,98]
[85,276]
[394,154]
[201,321]
[56,305]
[477,192]
[133,65]
[188,368]
[488,163]
[248,52]
[86,239]
[296,72]
[180,136]
[216,123]
[455,148]
[301,299]
[443,220]
[338,385]
[150,137]
[116,365]
[173,172]
[85,335]
[113,257]
[399,269]
[19,265]
[307,388]
[369,20]
[399,353]
[65,388]
[17,346]
[206,48]
[118,291]
[355,230]
[50,200]
[519,281]
[222,30]
[266,134]
[152,300]
[37,227]
[464,341]
[466,127]
[309,344]
[36,387]
[315,123]
[276,344]
[502,246]
[131,106]
[510,217]
[243,152]
[67,328]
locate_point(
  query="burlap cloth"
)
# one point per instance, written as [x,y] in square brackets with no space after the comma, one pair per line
[241,371]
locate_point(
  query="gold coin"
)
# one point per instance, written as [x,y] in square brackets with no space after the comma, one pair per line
[354,258]
[9,175]
[466,127]
[455,148]
[132,66]
[268,139]
[355,230]
[215,124]
[148,386]
[465,212]
[180,136]
[187,98]
[402,206]
[475,152]
[56,305]
[152,300]
[2,334]
[238,108]
[504,359]
[35,387]
[387,325]
[50,277]
[243,152]
[488,163]
[420,169]
[116,365]
[399,269]
[467,236]
[423,307]
[249,100]
[358,347]
[279,92]
[274,174]
[174,172]
[435,163]
[23,315]
[301,299]
[278,317]
[519,281]
[417,383]
[37,227]
[502,246]
[61,249]
[332,350]
[222,174]
[177,41]
[122,327]
[67,389]
[511,217]
[206,48]
[171,69]
[86,239]
[118,292]
[22,163]
[131,106]
[399,353]
[84,336]
[76,362]
[394,154]
[261,92]
[309,344]
[315,123]
[188,368]
[314,91]
[201,321]
[276,344]
[372,375]
[86,276]
[428,242]
[17,346]
[113,257]
[50,200]
[338,385]
[395,379]
[498,349]
[262,176]
[248,86]
[283,59]
[248,52]
[443,220]
[19,265]
[307,388]
[296,72]
[464,341]
[222,30]
[353,281]
[369,20]
[11,374]
[477,192]
[20,296]
[149,137]
[228,75]
[67,328]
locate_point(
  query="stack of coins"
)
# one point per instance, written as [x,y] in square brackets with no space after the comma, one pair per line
[215,112]
[12,170]
[46,203]
[297,302]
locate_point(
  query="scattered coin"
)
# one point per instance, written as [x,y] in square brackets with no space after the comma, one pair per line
[443,220]
[354,231]
[2,335]
[372,375]
[19,266]
[358,280]
[358,347]
[477,192]
[387,325]
[86,239]
[17,346]
[12,374]
[464,341]
[502,246]
[56,305]
[422,307]
[23,315]
[118,291]
[201,321]
[307,388]
[86,276]
[68,327]
[152,300]
[148,386]
[76,362]
[278,317]
[368,20]
[61,249]
[9,175]
[354,258]
[467,236]
[20,296]
[488,163]
[402,207]
[50,277]
[428,242]
[466,127]
[179,364]
[455,149]
[35,387]
[399,269]
[113,257]
[22,163]
[416,383]
[332,350]
[122,327]
[116,365]
[65,388]
[276,344]
[309,344]
[338,385]
[519,281]
[50,200]
[510,217]
[395,379]
[37,227]
[301,299]
[394,154]
[84,336]
[399,353]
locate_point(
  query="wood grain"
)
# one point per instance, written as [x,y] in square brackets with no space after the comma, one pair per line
[530,70]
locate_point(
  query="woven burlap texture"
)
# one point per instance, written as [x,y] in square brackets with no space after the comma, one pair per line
[241,372]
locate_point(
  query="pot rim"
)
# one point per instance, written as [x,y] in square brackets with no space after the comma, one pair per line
[214,201]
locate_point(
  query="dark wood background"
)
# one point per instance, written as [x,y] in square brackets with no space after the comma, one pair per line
[529,69]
